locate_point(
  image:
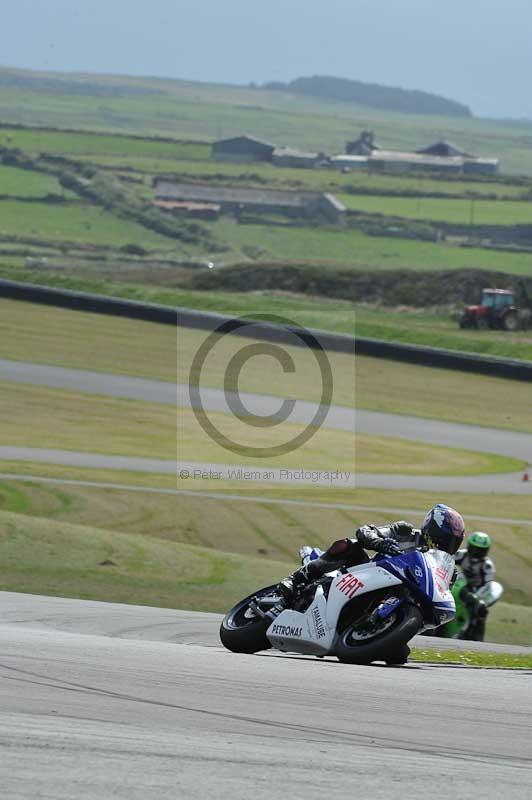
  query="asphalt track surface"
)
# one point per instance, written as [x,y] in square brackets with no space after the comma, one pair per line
[514,444]
[106,701]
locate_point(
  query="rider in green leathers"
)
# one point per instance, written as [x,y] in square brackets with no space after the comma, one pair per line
[478,570]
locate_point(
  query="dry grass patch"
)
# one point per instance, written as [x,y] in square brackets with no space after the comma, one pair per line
[263,374]
[34,416]
[444,394]
[58,336]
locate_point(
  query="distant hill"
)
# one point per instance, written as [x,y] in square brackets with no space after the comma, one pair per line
[385,98]
[73,83]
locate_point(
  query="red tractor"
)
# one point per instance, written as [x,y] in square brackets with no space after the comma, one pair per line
[497,309]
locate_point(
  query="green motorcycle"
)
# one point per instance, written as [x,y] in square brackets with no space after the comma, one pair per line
[471,613]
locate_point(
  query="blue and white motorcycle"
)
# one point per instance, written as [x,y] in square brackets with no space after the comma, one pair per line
[359,614]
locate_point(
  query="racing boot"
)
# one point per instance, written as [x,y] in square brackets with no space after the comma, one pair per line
[339,553]
[290,586]
[476,630]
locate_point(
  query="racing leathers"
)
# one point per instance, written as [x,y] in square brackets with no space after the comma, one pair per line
[477,572]
[398,537]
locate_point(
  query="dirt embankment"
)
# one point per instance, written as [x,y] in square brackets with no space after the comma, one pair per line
[387,287]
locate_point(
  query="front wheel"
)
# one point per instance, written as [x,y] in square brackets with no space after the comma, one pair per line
[360,643]
[242,631]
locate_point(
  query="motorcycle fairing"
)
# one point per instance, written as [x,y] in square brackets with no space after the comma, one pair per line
[428,575]
[303,632]
[313,631]
[354,582]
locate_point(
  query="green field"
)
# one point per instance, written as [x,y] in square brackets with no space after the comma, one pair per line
[85,144]
[352,248]
[79,222]
[461,212]
[23,183]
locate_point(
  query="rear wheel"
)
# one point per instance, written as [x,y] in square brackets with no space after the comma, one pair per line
[362,642]
[242,631]
[510,321]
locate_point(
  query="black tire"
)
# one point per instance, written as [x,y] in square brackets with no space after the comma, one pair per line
[408,621]
[464,321]
[482,324]
[242,635]
[510,322]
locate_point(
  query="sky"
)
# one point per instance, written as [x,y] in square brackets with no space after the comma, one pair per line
[478,52]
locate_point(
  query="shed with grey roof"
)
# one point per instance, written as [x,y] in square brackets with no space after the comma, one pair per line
[237,200]
[397,161]
[288,157]
[443,148]
[481,166]
[242,149]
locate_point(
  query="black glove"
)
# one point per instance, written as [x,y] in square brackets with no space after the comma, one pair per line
[366,534]
[401,528]
[388,547]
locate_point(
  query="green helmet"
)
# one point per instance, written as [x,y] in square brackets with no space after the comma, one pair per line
[478,545]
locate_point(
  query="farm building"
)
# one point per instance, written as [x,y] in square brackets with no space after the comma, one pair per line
[236,200]
[178,208]
[286,157]
[242,149]
[441,156]
[444,149]
[363,146]
[471,164]
[396,161]
[349,162]
[481,166]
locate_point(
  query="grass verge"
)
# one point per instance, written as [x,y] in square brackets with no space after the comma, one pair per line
[56,558]
[469,658]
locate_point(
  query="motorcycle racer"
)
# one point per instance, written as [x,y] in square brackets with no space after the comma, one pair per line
[443,529]
[478,571]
